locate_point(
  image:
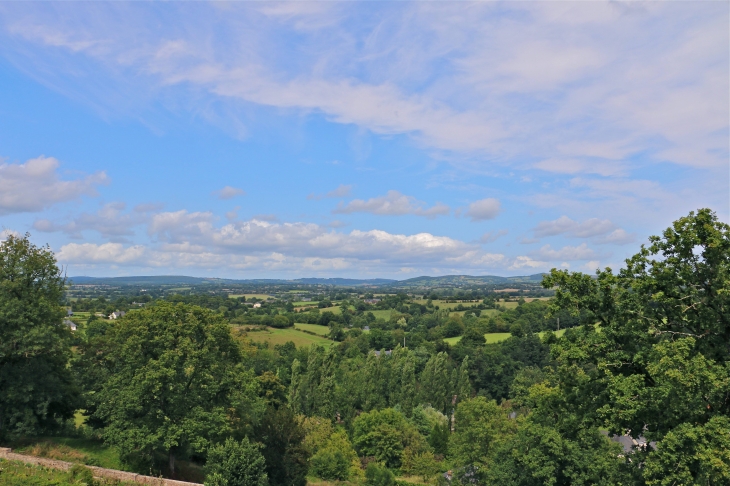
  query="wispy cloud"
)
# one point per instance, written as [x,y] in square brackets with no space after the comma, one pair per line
[343,190]
[393,204]
[229,192]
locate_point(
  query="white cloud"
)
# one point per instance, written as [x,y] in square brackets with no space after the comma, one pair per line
[502,82]
[110,222]
[228,192]
[566,253]
[392,204]
[565,225]
[114,253]
[484,209]
[343,190]
[193,240]
[35,185]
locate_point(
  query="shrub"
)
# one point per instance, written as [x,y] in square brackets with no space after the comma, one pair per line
[377,475]
[79,474]
[330,464]
[236,464]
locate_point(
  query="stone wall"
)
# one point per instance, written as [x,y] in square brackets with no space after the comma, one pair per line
[99,472]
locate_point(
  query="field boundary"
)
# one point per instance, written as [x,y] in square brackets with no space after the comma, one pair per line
[99,472]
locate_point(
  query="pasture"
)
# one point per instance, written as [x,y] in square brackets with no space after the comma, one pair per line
[250,296]
[315,328]
[381,314]
[495,337]
[282,336]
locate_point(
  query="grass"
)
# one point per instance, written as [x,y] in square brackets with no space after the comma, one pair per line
[16,473]
[495,337]
[249,296]
[81,451]
[315,328]
[381,314]
[282,336]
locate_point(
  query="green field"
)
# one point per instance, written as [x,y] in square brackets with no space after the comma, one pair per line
[315,328]
[282,336]
[495,337]
[305,304]
[381,314]
[249,296]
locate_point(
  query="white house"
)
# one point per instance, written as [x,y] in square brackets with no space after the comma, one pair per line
[71,324]
[116,314]
[257,305]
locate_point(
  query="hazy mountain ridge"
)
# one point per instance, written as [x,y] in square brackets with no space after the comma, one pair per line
[423,281]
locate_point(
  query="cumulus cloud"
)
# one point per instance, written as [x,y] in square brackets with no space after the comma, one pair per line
[393,204]
[35,185]
[192,239]
[343,190]
[229,192]
[484,209]
[110,222]
[114,253]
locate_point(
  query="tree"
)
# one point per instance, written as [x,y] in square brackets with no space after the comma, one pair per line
[479,426]
[384,434]
[660,366]
[282,436]
[36,387]
[236,463]
[175,382]
[377,475]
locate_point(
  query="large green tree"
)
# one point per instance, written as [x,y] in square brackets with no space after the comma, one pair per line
[175,383]
[659,364]
[36,388]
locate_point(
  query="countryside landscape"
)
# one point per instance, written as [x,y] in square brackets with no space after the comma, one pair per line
[365,243]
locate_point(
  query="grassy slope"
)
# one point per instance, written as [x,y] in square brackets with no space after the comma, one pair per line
[281,336]
[315,328]
[249,296]
[82,451]
[16,473]
[496,337]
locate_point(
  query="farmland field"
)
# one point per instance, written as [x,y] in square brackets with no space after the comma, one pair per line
[381,314]
[315,328]
[249,296]
[282,336]
[495,337]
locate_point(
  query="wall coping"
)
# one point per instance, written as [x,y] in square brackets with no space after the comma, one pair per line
[99,472]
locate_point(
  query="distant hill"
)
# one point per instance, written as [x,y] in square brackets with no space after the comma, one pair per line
[443,281]
[465,280]
[344,281]
[184,280]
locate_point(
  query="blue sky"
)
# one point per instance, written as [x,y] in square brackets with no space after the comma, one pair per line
[281,140]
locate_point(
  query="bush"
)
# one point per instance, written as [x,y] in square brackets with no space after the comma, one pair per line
[236,464]
[79,474]
[330,464]
[377,475]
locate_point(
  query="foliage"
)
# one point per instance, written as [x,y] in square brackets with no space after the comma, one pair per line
[282,436]
[479,426]
[377,475]
[384,434]
[175,382]
[659,367]
[36,388]
[236,463]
